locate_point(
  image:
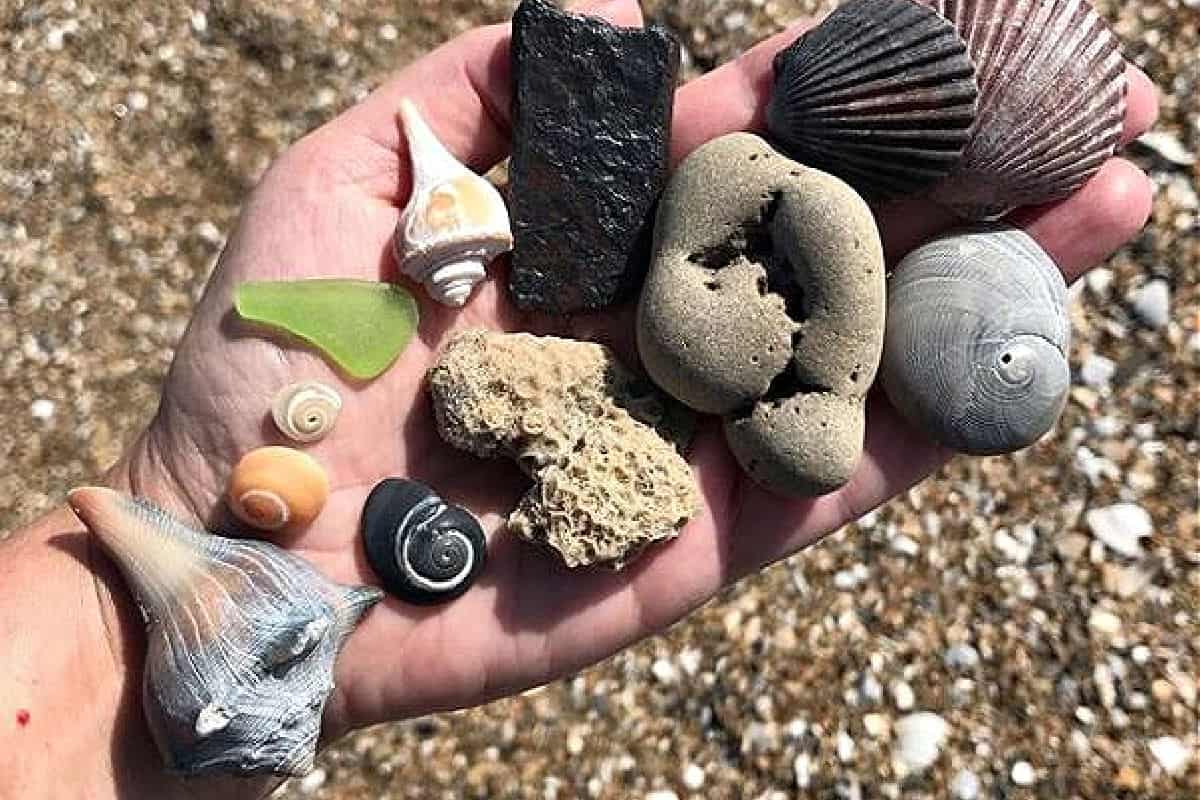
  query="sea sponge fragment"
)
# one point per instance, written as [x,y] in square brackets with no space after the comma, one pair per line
[599,442]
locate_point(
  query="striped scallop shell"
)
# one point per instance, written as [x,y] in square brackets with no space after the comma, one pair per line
[1051,103]
[881,94]
[977,334]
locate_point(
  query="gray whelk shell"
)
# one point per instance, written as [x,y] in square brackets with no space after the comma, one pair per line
[1051,102]
[881,94]
[976,340]
[424,549]
[241,638]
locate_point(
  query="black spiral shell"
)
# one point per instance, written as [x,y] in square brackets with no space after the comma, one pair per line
[424,550]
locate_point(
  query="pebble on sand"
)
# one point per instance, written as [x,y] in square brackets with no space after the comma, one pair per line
[919,740]
[1152,304]
[1104,622]
[1022,774]
[1171,754]
[965,785]
[42,409]
[902,695]
[1097,371]
[1120,527]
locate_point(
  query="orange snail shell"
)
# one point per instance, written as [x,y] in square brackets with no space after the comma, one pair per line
[272,488]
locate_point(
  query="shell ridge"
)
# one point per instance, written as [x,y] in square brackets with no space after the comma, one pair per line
[215,696]
[864,164]
[1068,169]
[941,88]
[995,77]
[1076,119]
[1067,143]
[430,584]
[857,150]
[285,585]
[826,46]
[843,71]
[906,55]
[419,137]
[852,163]
[453,216]
[401,514]
[957,305]
[1035,293]
[1031,126]
[850,158]
[1050,77]
[948,130]
[996,43]
[221,644]
[944,126]
[164,537]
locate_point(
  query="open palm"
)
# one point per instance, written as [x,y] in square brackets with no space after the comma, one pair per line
[328,208]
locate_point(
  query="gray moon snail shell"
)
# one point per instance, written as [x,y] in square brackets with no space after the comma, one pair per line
[881,94]
[424,550]
[976,340]
[241,638]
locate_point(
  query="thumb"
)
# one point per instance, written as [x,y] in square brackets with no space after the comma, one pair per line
[464,89]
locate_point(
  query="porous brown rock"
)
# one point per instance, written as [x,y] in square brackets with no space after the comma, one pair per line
[600,443]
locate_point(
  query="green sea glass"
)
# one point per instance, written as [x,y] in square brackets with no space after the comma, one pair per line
[362,326]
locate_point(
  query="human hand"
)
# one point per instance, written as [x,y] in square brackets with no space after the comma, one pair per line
[328,207]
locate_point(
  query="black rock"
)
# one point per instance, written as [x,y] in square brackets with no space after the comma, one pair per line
[591,125]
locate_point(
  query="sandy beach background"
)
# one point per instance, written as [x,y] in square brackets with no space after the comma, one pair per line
[999,600]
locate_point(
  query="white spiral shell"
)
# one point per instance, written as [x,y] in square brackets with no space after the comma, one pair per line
[975,351]
[455,221]
[306,411]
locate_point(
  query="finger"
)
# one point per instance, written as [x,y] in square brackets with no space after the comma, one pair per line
[1141,104]
[1093,223]
[464,89]
[731,98]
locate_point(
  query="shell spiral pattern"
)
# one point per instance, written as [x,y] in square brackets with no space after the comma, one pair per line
[976,340]
[881,94]
[306,411]
[1051,102]
[425,550]
[242,638]
[273,488]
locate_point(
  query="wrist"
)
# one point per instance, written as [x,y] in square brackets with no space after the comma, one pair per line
[71,648]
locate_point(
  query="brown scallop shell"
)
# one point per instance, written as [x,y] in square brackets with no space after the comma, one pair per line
[882,94]
[1051,103]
